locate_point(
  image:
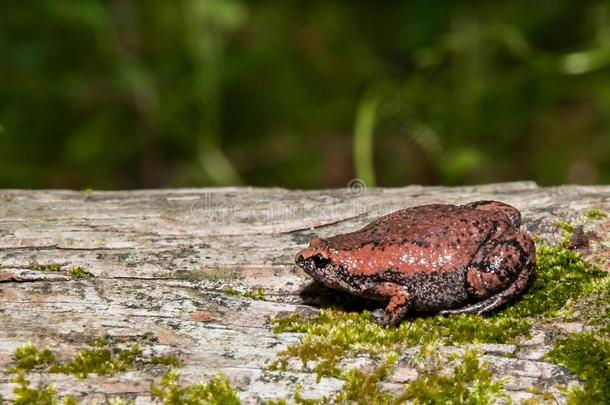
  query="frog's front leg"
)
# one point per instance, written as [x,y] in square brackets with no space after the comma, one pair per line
[398,304]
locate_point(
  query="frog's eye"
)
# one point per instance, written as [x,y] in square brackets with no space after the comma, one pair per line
[320,261]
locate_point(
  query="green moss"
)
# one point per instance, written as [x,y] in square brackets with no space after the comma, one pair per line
[470,383]
[79,272]
[69,400]
[334,334]
[100,342]
[364,388]
[566,226]
[588,357]
[544,397]
[98,360]
[258,294]
[52,267]
[280,401]
[567,230]
[595,214]
[595,308]
[29,357]
[75,272]
[217,391]
[120,401]
[24,394]
[232,292]
[300,400]
[562,276]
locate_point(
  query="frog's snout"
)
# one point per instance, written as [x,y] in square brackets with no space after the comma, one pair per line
[299,259]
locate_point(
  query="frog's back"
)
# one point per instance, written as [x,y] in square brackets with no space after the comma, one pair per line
[435,223]
[424,239]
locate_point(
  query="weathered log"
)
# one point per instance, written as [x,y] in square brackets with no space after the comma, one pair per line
[166,265]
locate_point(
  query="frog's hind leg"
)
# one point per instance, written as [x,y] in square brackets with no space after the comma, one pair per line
[488,277]
[515,289]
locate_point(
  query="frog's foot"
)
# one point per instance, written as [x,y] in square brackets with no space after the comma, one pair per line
[516,289]
[398,306]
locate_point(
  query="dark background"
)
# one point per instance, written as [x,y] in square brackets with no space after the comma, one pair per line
[156,93]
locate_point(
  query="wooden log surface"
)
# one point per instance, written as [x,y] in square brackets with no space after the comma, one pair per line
[162,262]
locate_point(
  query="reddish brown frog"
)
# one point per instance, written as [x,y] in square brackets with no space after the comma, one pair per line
[435,258]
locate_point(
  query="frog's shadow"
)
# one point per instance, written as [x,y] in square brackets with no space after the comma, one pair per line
[318,295]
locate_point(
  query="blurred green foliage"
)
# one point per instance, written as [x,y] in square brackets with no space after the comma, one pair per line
[129,94]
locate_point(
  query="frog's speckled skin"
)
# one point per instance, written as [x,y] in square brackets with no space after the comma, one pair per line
[442,258]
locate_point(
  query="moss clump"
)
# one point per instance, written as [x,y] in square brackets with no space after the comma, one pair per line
[545,396]
[565,226]
[298,399]
[595,214]
[98,359]
[359,388]
[258,294]
[102,360]
[75,272]
[595,308]
[567,230]
[79,272]
[333,334]
[470,383]
[217,391]
[119,401]
[24,394]
[364,388]
[588,357]
[29,357]
[232,292]
[52,267]
[562,276]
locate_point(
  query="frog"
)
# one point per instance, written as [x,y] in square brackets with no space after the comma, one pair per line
[442,259]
